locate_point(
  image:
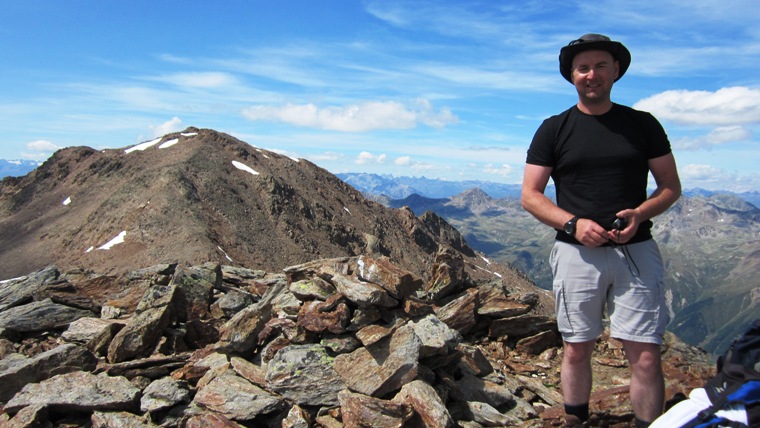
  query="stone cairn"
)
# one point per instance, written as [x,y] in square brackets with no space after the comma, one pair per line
[346,342]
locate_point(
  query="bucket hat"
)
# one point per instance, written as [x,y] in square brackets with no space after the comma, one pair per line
[593,42]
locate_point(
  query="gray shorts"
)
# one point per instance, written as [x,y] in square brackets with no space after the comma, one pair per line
[627,281]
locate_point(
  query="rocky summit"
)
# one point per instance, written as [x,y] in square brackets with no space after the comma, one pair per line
[198,196]
[197,281]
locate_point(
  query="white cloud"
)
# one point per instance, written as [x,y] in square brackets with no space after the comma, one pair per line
[367,116]
[736,105]
[365,158]
[403,161]
[709,177]
[173,125]
[42,146]
[700,172]
[503,169]
[718,136]
[327,156]
[42,149]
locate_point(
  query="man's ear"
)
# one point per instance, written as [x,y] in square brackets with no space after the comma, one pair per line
[617,70]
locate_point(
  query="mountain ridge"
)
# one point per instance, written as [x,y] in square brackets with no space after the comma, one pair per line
[218,198]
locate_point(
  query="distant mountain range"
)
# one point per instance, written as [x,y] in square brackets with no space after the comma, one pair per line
[16,168]
[401,187]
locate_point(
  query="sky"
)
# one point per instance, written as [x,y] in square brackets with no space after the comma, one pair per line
[443,89]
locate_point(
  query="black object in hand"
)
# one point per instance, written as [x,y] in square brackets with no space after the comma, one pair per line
[619,223]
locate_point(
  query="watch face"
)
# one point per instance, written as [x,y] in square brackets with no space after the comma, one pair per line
[570,227]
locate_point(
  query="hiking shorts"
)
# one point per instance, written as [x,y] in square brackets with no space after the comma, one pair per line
[625,281]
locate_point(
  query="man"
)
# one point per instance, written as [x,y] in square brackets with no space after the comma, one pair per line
[599,155]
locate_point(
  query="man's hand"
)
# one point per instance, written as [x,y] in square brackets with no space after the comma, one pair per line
[632,219]
[590,234]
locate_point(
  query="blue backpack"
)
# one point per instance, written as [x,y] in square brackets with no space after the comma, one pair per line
[737,382]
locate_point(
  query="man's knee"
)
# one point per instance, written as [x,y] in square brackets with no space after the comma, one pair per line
[578,353]
[644,358]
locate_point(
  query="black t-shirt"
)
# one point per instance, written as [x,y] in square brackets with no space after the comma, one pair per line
[600,163]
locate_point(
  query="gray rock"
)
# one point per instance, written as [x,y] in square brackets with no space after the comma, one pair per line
[437,338]
[521,326]
[305,375]
[40,316]
[17,371]
[20,290]
[429,410]
[119,420]
[314,288]
[487,416]
[358,410]
[85,329]
[230,303]
[141,335]
[363,294]
[78,392]
[383,367]
[236,398]
[164,393]
[240,333]
[461,313]
[194,285]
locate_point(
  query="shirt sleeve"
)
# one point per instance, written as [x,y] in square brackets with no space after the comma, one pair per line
[659,145]
[541,150]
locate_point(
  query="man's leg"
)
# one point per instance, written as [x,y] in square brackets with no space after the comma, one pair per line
[647,382]
[576,376]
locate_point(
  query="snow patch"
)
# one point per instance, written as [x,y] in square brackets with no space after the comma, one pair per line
[360,262]
[244,167]
[143,146]
[169,143]
[67,201]
[189,134]
[117,240]
[345,208]
[225,253]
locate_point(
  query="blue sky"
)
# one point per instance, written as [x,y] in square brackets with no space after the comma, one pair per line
[442,89]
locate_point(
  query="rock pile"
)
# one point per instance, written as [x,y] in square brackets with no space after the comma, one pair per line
[352,342]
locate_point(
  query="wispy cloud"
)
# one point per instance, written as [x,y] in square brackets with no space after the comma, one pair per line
[503,170]
[367,116]
[172,125]
[209,79]
[716,137]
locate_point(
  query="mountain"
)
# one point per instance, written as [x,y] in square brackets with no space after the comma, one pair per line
[16,168]
[709,246]
[198,196]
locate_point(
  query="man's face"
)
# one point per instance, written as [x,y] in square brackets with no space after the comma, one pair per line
[593,73]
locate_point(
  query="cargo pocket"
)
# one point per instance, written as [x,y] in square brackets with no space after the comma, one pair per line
[560,307]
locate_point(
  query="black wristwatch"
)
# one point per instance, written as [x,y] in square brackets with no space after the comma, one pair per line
[570,226]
